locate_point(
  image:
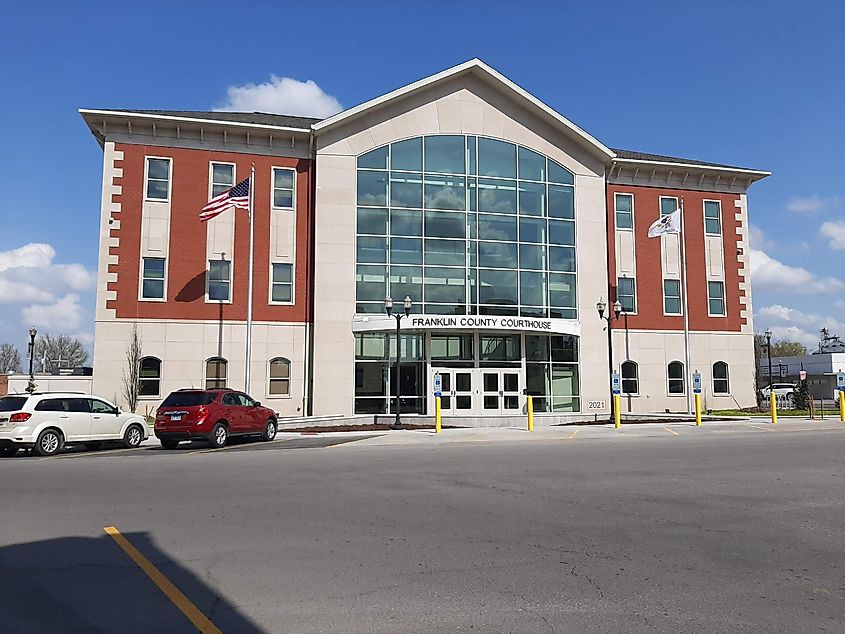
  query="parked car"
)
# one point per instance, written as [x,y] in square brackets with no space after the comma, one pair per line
[49,421]
[778,389]
[212,415]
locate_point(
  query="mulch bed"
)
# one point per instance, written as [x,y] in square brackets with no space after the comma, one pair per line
[362,428]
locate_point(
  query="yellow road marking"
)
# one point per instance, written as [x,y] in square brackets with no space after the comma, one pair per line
[671,432]
[574,433]
[200,621]
[760,428]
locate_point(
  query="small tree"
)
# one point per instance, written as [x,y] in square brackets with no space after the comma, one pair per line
[10,359]
[131,373]
[802,395]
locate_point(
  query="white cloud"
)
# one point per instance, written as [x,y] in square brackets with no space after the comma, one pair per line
[32,255]
[28,275]
[799,318]
[758,240]
[794,333]
[812,204]
[834,231]
[62,316]
[281,95]
[768,273]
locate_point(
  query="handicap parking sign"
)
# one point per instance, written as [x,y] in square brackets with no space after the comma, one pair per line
[840,380]
[616,383]
[438,384]
[696,382]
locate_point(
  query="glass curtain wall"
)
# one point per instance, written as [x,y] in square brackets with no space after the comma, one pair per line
[551,373]
[465,225]
[375,374]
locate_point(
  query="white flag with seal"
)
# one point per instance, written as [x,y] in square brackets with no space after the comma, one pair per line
[670,223]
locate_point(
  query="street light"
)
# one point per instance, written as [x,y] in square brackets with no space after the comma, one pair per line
[768,335]
[617,310]
[388,307]
[31,385]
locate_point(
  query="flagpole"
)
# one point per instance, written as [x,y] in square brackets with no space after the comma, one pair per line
[687,384]
[249,283]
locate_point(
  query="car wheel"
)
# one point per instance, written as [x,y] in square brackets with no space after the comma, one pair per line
[8,452]
[49,443]
[169,443]
[219,436]
[133,437]
[93,445]
[269,432]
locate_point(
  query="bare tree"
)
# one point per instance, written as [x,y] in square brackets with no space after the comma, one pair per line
[10,359]
[61,351]
[131,373]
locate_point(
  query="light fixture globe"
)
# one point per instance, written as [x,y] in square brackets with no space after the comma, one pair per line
[388,306]
[600,306]
[32,332]
[406,304]
[617,308]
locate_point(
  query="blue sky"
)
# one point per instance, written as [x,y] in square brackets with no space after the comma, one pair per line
[758,84]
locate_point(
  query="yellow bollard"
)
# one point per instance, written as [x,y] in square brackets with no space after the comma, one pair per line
[842,405]
[774,407]
[617,411]
[530,413]
[698,410]
[437,415]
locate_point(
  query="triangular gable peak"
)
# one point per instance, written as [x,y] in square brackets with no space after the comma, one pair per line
[491,77]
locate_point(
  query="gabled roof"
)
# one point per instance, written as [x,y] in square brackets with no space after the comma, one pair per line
[623,156]
[477,67]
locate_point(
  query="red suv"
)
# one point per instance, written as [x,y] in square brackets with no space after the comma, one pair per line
[212,415]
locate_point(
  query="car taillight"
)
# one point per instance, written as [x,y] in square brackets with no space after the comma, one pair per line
[20,417]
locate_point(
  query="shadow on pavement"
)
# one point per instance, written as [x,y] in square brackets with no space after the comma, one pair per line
[86,584]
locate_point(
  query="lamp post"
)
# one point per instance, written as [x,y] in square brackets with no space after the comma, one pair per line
[388,307]
[31,385]
[617,310]
[768,334]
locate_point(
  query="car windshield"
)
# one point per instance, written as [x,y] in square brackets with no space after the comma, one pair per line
[12,403]
[189,399]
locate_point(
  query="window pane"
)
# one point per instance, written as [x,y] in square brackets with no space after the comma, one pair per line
[445,192]
[532,199]
[445,285]
[448,252]
[154,268]
[562,259]
[532,230]
[532,166]
[440,224]
[451,348]
[497,287]
[376,159]
[559,174]
[283,198]
[445,154]
[282,272]
[499,348]
[218,270]
[500,255]
[280,387]
[532,256]
[676,370]
[562,290]
[497,196]
[371,283]
[536,348]
[405,190]
[282,293]
[561,202]
[371,249]
[564,383]
[720,370]
[406,223]
[471,142]
[532,288]
[496,158]
[562,232]
[713,226]
[218,291]
[157,189]
[496,228]
[406,251]
[372,188]
[624,220]
[153,289]
[406,155]
[406,281]
[717,307]
[672,305]
[283,178]
[158,169]
[564,348]
[372,221]
[668,206]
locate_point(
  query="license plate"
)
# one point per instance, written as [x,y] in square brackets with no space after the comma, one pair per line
[176,417]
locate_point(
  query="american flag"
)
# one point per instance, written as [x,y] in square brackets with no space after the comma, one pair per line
[237,196]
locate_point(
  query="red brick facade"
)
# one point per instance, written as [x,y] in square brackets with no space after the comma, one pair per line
[187,258]
[649,279]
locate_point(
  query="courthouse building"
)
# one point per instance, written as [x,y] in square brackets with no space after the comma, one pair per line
[503,222]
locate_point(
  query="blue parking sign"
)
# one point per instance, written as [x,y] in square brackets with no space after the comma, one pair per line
[616,383]
[438,384]
[696,382]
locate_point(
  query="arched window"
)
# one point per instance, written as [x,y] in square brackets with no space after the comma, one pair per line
[630,378]
[149,376]
[279,377]
[721,384]
[675,372]
[215,373]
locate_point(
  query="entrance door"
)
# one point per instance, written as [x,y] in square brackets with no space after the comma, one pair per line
[500,391]
[456,391]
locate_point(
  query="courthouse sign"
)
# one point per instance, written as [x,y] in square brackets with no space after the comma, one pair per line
[467,323]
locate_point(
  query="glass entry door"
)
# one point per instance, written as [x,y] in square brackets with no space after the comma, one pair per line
[456,386]
[500,391]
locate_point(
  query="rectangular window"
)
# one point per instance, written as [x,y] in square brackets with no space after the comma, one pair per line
[152,278]
[626,293]
[219,280]
[716,299]
[283,186]
[222,178]
[282,283]
[668,205]
[624,211]
[672,297]
[158,179]
[713,217]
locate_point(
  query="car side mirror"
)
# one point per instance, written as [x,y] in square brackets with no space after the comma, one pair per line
[257,403]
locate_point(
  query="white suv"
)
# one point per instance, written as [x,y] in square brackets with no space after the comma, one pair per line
[47,421]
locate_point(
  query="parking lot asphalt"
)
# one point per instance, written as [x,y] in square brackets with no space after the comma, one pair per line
[732,527]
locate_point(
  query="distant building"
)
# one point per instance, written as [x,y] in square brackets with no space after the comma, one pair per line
[503,221]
